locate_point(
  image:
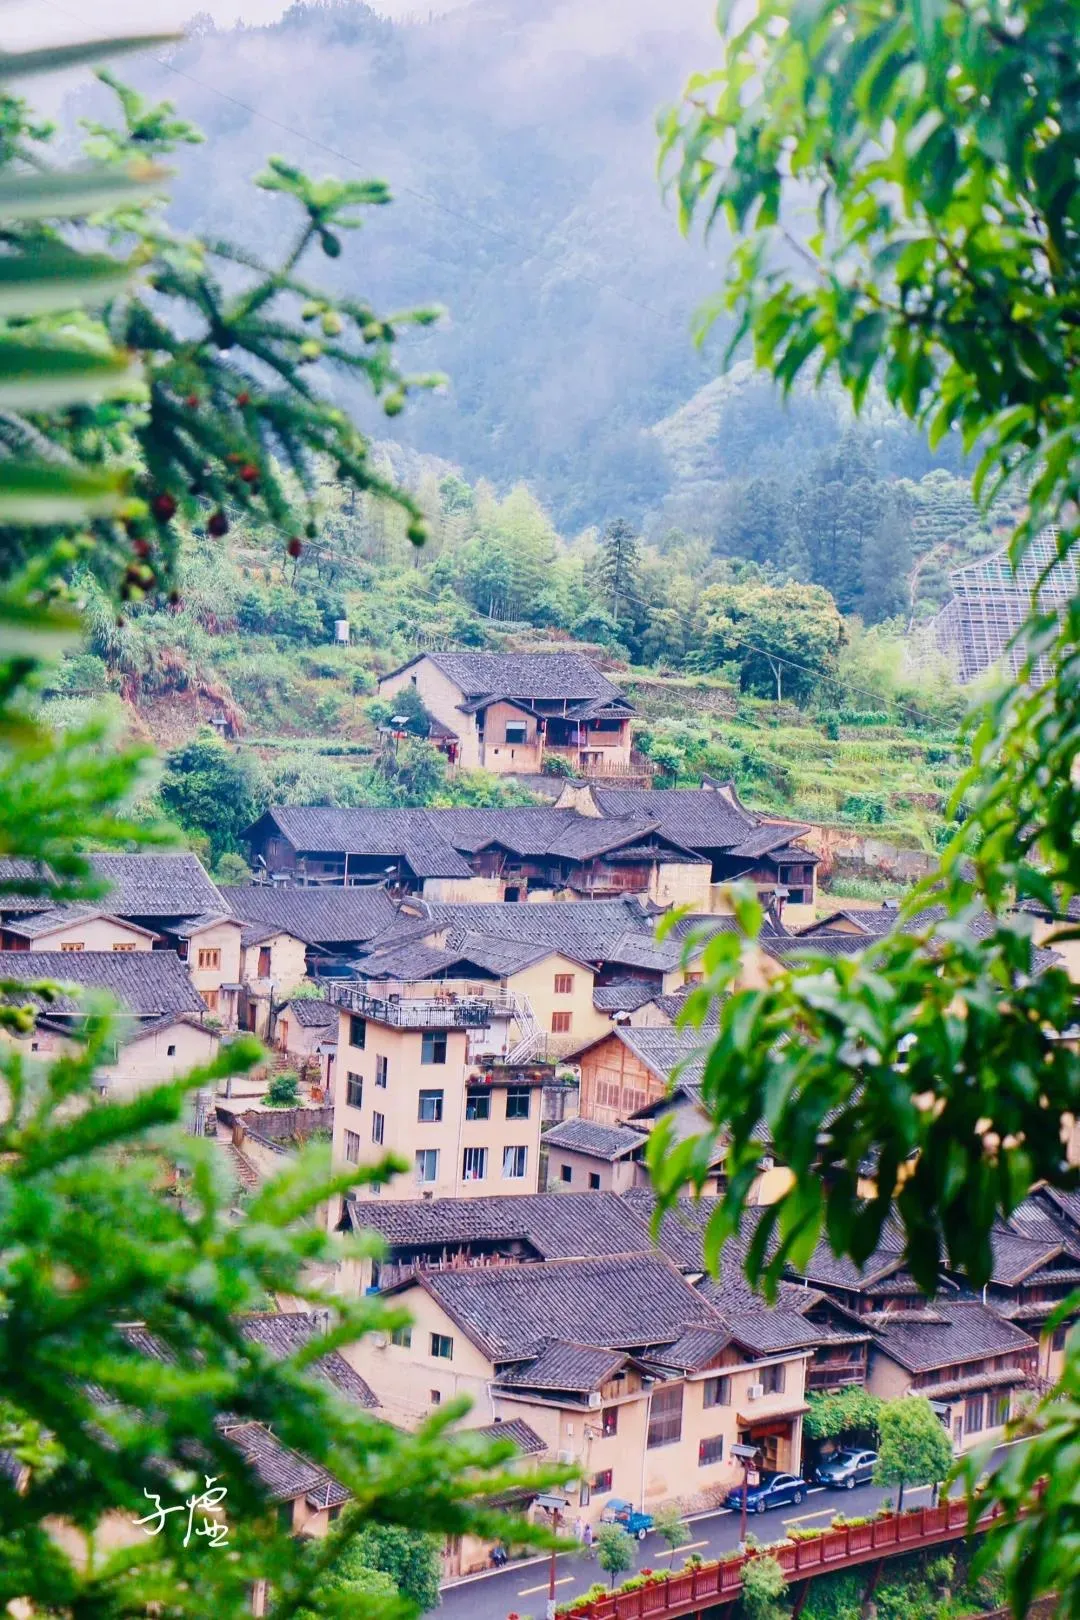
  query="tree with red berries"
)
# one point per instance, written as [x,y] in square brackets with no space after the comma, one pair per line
[213,404]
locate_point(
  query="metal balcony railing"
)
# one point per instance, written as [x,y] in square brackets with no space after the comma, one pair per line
[416,1012]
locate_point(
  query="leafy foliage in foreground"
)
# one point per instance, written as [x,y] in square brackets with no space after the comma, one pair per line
[110,1213]
[940,148]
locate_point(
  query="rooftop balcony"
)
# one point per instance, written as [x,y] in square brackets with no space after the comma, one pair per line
[387,1004]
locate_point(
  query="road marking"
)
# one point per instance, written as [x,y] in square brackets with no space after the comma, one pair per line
[823,1513]
[688,1546]
[529,1590]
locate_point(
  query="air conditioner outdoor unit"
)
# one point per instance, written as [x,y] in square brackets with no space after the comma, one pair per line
[594,1397]
[567,1457]
[755,1392]
[380,1340]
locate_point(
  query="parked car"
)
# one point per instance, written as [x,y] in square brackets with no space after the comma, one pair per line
[774,1490]
[846,1469]
[620,1511]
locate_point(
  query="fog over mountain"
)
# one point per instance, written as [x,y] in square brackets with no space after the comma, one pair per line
[518,137]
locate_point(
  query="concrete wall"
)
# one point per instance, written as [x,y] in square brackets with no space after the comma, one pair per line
[680,883]
[161,1055]
[288,965]
[618,1177]
[405,1134]
[223,937]
[537,982]
[463,891]
[94,934]
[441,698]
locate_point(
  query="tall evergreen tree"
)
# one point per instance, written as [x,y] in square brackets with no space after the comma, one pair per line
[620,562]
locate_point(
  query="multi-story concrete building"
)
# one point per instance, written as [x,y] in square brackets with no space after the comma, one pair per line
[414,1076]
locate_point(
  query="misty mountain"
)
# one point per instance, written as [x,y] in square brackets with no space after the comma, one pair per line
[518,137]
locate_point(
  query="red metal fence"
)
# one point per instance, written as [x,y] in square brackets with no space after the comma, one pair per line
[721,1582]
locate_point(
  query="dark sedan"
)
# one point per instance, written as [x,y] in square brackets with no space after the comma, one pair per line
[846,1469]
[774,1490]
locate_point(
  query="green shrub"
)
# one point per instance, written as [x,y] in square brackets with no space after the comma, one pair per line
[283,1090]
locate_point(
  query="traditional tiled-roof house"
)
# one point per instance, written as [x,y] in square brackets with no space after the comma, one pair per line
[506,712]
[161,1028]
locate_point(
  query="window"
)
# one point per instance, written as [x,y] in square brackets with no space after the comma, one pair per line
[170,1051]
[72,945]
[515,1160]
[594,1181]
[1057,1342]
[433,1046]
[478,1105]
[518,1102]
[710,1451]
[665,1416]
[431,1106]
[474,1164]
[210,997]
[601,1482]
[436,1397]
[354,1090]
[352,1147]
[209,957]
[561,1022]
[772,1379]
[997,1410]
[517,731]
[973,1413]
[584,1493]
[402,1336]
[357,1032]
[566,1174]
[264,962]
[427,1164]
[378,1128]
[382,1071]
[123,947]
[564,984]
[609,1421]
[442,1345]
[717,1391]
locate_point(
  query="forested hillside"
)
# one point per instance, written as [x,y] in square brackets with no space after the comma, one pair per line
[533,215]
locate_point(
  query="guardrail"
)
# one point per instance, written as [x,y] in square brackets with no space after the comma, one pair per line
[690,1590]
[414,1012]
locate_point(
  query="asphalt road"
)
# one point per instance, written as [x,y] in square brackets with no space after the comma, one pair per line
[523,1588]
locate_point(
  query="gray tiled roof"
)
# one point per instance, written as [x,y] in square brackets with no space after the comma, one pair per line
[1016,1258]
[615,1302]
[285,1333]
[319,916]
[700,818]
[283,1474]
[661,1050]
[523,1435]
[560,1364]
[389,833]
[149,984]
[970,1332]
[696,1348]
[310,1013]
[627,995]
[1048,1215]
[541,676]
[607,1142]
[46,922]
[555,1225]
[584,929]
[155,885]
[410,961]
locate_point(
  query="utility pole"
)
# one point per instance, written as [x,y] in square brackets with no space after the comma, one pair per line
[746,1455]
[553,1506]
